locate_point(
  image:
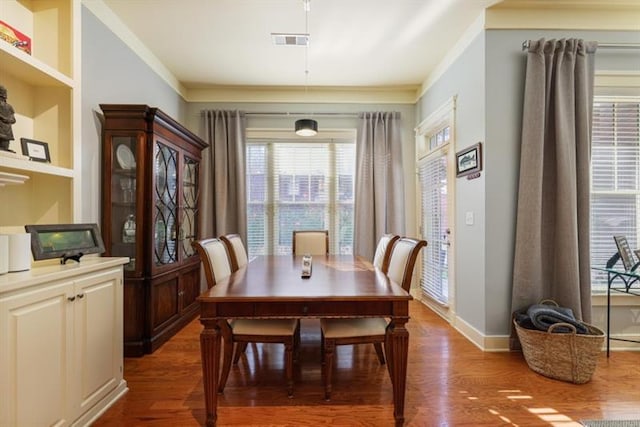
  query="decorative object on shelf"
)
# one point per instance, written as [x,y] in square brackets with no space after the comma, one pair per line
[469,161]
[4,253]
[35,150]
[129,230]
[19,254]
[125,157]
[7,118]
[64,241]
[128,187]
[15,37]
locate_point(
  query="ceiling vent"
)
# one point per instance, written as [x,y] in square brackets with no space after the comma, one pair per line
[281,39]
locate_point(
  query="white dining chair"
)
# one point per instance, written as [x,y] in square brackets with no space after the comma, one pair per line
[310,242]
[383,251]
[215,257]
[337,332]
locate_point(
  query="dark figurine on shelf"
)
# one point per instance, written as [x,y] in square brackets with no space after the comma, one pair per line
[7,118]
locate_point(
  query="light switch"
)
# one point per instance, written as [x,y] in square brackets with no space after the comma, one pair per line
[469,218]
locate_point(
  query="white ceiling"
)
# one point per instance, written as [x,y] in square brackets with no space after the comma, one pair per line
[353,42]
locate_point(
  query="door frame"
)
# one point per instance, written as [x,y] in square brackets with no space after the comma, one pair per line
[443,116]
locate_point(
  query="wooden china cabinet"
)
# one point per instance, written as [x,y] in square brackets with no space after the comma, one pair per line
[150,207]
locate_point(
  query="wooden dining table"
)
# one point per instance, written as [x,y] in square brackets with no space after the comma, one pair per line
[273,287]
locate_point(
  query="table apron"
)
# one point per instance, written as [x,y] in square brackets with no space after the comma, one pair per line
[273,309]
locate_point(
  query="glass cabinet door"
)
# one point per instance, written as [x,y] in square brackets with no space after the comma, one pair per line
[165,170]
[189,217]
[123,198]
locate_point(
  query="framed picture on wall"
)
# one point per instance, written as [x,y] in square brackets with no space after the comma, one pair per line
[469,160]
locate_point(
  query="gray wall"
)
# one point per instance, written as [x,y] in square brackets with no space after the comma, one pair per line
[488,79]
[465,80]
[112,74]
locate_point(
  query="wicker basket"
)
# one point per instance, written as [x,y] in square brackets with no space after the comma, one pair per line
[568,357]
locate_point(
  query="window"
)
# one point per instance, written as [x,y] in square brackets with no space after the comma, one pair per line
[299,186]
[615,179]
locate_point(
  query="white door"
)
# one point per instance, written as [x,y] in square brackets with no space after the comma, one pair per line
[436,226]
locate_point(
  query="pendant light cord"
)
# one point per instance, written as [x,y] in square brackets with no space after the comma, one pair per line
[307,7]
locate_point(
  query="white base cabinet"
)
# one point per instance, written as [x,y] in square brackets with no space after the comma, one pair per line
[61,343]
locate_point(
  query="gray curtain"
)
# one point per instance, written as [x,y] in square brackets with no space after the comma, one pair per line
[379,200]
[223,202]
[552,257]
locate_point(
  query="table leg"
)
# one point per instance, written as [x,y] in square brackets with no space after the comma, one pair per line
[397,352]
[210,354]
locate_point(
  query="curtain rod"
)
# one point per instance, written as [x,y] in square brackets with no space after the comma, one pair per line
[525,45]
[287,114]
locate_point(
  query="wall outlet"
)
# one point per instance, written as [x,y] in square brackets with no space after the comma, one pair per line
[468,219]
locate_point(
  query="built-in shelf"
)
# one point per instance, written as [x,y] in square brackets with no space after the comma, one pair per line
[27,166]
[31,70]
[11,178]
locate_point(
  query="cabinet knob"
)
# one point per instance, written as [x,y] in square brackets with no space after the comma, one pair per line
[71,298]
[80,296]
[305,309]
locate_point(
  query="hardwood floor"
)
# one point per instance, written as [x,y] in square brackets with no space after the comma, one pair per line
[450,382]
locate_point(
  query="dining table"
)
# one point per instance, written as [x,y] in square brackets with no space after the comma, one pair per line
[273,287]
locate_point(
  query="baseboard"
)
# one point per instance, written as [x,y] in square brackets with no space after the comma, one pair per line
[101,407]
[498,343]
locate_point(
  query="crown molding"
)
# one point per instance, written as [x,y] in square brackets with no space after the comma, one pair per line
[564,15]
[310,95]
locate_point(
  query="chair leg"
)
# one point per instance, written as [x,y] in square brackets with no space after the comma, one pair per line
[226,365]
[296,344]
[241,347]
[389,353]
[288,363]
[378,347]
[329,348]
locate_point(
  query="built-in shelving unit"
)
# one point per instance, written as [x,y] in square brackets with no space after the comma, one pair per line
[44,90]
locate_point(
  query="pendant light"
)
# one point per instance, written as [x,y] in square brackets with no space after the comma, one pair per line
[306,127]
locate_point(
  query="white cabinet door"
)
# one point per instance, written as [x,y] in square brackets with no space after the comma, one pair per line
[36,345]
[98,337]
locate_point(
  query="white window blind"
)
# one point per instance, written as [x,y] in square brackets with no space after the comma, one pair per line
[299,186]
[432,175]
[615,180]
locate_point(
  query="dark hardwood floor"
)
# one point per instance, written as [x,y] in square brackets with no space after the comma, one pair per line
[450,383]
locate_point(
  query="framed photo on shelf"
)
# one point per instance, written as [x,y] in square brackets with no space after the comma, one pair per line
[36,150]
[64,241]
[469,160]
[625,252]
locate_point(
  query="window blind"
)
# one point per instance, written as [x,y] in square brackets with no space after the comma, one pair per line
[615,180]
[432,175]
[299,186]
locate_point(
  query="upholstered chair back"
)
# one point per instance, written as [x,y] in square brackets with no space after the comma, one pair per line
[215,258]
[403,258]
[383,251]
[237,251]
[312,242]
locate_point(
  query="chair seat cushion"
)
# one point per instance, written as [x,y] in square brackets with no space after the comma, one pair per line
[345,328]
[264,326]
